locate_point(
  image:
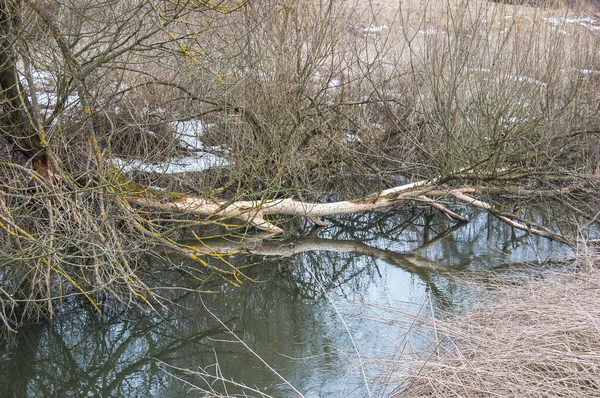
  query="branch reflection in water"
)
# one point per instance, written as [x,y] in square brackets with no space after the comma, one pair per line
[376,268]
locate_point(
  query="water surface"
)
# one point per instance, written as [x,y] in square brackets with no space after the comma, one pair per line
[316,300]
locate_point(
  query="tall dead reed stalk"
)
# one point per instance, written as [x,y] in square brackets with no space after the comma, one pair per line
[540,338]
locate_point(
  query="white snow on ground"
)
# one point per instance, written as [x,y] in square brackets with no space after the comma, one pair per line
[585,71]
[320,80]
[348,138]
[526,79]
[426,32]
[333,83]
[371,31]
[47,99]
[199,162]
[189,133]
[153,112]
[374,29]
[44,87]
[432,31]
[40,79]
[511,121]
[483,70]
[589,23]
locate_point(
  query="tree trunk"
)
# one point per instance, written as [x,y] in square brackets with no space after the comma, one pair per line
[17,130]
[254,212]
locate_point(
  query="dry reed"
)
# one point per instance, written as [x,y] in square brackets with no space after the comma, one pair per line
[537,339]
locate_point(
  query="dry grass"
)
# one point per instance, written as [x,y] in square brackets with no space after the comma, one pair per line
[538,339]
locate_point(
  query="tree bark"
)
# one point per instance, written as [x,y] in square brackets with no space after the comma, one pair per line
[16,123]
[255,211]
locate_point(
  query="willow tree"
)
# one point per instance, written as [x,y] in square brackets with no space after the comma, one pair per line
[87,87]
[67,69]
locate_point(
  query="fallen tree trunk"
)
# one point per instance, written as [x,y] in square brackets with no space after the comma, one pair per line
[254,212]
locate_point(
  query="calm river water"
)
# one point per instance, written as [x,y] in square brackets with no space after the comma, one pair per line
[317,303]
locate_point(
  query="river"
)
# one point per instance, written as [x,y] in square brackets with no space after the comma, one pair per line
[327,313]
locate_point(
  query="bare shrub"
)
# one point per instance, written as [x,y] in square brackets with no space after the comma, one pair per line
[84,87]
[493,86]
[321,92]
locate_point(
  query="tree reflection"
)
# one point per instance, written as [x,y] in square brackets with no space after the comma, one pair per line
[83,354]
[284,313]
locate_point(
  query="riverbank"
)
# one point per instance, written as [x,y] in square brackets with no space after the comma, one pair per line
[537,338]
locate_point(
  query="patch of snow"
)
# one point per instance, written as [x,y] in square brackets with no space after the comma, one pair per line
[189,128]
[153,112]
[348,138]
[43,84]
[585,71]
[483,70]
[189,133]
[46,99]
[217,149]
[199,162]
[526,79]
[589,23]
[333,83]
[40,79]
[511,121]
[374,29]
[320,80]
[432,31]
